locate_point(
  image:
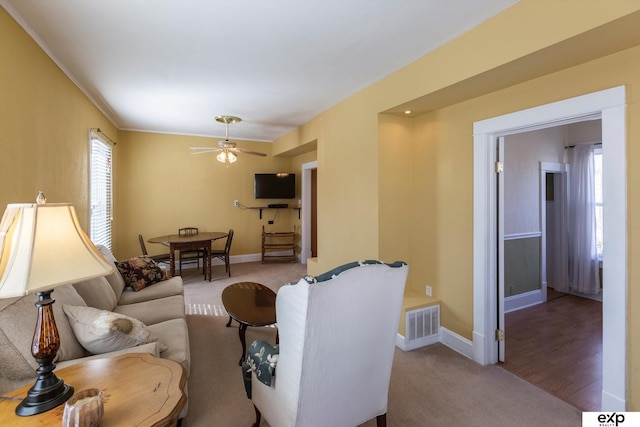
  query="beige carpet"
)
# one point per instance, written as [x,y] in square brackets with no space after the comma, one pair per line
[431,386]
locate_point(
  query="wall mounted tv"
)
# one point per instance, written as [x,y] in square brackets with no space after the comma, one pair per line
[274,186]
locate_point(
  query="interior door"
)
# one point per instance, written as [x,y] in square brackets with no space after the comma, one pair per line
[500,246]
[314,213]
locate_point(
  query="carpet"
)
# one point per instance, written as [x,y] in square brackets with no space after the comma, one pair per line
[430,386]
[205,309]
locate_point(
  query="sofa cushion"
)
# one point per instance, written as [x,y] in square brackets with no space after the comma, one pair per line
[17,324]
[175,334]
[140,272]
[167,288]
[155,311]
[115,279]
[97,293]
[149,348]
[102,331]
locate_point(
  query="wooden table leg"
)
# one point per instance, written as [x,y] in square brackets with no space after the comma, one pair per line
[208,252]
[172,260]
[241,332]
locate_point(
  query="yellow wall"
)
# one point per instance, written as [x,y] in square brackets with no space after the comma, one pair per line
[395,183]
[44,126]
[347,133]
[163,187]
[453,183]
[498,67]
[491,70]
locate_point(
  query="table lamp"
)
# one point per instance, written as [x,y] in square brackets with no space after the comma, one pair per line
[43,246]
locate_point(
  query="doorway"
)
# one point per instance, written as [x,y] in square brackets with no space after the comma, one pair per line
[609,106]
[553,340]
[309,241]
[553,221]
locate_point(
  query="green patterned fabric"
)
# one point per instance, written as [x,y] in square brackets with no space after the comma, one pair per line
[261,359]
[336,271]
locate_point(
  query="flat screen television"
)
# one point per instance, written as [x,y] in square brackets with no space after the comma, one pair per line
[274,186]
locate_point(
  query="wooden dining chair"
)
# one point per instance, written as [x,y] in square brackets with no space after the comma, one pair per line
[157,258]
[223,254]
[188,231]
[191,255]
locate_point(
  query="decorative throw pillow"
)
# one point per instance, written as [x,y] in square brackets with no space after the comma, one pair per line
[140,272]
[101,331]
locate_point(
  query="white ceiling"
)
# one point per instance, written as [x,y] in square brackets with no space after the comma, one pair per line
[170,66]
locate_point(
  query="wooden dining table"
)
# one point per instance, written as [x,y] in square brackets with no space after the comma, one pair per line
[202,240]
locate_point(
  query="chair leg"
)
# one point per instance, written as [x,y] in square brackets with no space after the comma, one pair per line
[381,420]
[205,262]
[258,417]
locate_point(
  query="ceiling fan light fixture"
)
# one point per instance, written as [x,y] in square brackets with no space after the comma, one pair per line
[226,157]
[228,152]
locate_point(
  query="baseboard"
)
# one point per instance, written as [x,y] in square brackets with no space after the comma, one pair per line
[239,259]
[456,342]
[421,342]
[452,340]
[523,300]
[612,403]
[236,259]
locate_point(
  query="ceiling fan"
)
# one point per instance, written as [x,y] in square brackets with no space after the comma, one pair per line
[228,150]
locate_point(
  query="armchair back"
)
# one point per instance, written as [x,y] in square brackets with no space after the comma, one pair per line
[337,340]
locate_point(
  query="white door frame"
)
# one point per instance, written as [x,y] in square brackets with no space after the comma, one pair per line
[561,169]
[610,106]
[499,191]
[305,251]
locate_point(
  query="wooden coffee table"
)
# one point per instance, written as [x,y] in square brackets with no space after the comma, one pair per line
[250,304]
[138,389]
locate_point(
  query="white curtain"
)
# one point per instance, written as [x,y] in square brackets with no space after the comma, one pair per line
[583,259]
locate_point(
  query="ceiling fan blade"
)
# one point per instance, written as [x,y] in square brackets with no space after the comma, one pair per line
[226,146]
[200,150]
[242,150]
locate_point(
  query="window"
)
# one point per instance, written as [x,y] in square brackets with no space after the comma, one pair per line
[597,158]
[100,191]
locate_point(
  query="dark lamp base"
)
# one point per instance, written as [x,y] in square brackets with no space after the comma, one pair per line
[38,401]
[48,391]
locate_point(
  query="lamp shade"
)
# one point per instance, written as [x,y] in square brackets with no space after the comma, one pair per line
[43,246]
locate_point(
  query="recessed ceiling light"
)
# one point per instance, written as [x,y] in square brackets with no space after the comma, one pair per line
[408,111]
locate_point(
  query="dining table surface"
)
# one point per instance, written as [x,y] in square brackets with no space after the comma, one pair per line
[201,240]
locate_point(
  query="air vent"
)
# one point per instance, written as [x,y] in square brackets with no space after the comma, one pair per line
[422,327]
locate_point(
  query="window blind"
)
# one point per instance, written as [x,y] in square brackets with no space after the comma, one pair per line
[101,208]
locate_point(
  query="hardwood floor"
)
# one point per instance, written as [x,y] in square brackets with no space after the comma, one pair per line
[557,346]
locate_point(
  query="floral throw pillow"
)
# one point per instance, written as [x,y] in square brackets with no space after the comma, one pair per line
[140,272]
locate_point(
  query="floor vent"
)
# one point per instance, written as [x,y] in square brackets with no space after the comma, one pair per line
[422,327]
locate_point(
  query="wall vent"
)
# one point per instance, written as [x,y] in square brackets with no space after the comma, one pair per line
[422,327]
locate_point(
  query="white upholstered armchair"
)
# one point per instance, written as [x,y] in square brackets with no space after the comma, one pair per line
[337,336]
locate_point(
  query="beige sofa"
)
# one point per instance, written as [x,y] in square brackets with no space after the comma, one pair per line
[160,307]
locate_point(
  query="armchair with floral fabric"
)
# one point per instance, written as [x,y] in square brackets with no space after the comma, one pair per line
[337,335]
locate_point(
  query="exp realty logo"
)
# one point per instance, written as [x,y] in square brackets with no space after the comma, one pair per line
[610,419]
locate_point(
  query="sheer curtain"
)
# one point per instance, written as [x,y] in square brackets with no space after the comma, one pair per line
[583,258]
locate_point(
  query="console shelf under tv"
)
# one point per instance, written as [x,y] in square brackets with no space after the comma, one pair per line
[260,208]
